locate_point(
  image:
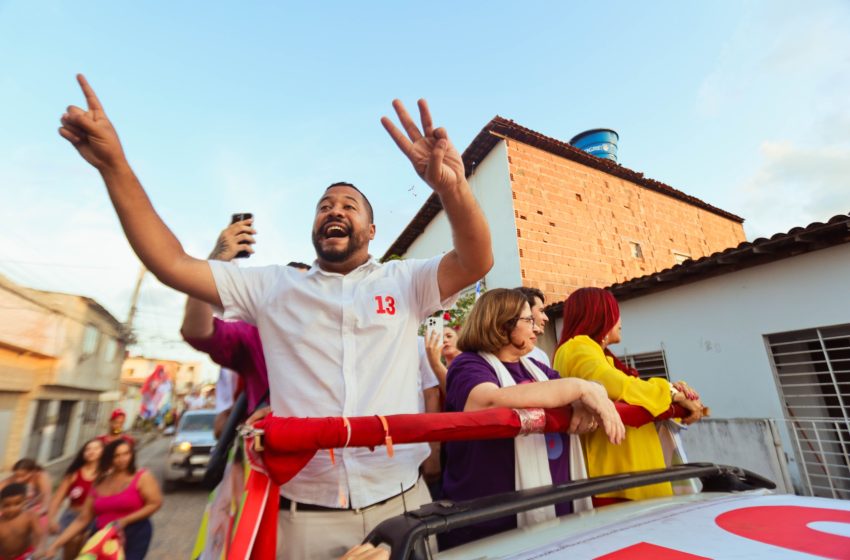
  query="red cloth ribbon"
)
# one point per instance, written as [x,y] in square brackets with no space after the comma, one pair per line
[290,443]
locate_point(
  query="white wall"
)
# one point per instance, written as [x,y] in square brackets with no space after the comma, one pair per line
[712,331]
[491,185]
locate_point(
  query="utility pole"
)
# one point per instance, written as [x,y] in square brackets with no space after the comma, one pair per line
[134,301]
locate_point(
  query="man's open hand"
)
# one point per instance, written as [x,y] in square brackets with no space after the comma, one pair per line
[91,132]
[433,156]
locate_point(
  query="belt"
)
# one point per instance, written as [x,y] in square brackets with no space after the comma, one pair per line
[286,503]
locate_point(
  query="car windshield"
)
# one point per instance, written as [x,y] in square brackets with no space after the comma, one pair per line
[197,422]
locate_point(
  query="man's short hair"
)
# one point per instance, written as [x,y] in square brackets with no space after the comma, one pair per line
[366,200]
[298,265]
[530,294]
[12,490]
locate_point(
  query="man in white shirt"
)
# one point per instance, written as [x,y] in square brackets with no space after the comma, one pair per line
[194,400]
[338,340]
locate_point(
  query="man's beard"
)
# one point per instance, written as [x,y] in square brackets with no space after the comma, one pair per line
[355,242]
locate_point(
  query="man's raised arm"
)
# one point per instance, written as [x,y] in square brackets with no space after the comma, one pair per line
[95,139]
[440,165]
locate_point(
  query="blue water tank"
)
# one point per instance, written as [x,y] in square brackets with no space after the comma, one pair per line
[600,142]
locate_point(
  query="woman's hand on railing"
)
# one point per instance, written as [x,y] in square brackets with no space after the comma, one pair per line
[583,420]
[688,391]
[596,398]
[694,408]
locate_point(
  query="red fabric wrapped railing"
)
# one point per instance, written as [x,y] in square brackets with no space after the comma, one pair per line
[290,443]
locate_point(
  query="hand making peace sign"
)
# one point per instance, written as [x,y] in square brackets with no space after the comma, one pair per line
[91,132]
[433,156]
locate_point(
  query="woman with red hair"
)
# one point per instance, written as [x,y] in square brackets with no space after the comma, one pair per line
[591,324]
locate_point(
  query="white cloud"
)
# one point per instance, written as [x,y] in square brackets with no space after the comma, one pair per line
[796,185]
[785,73]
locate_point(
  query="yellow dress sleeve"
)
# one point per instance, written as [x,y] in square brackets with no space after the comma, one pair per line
[582,357]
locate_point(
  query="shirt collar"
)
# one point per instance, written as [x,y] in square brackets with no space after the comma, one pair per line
[367,266]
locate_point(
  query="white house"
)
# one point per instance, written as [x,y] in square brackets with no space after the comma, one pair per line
[761,330]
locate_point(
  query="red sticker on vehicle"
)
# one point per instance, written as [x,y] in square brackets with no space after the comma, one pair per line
[787,527]
[648,551]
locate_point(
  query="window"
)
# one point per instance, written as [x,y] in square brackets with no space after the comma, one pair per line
[637,252]
[680,257]
[57,446]
[91,338]
[39,422]
[648,364]
[812,369]
[90,410]
[110,350]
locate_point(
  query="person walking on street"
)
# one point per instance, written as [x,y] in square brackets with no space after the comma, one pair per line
[116,428]
[123,494]
[75,486]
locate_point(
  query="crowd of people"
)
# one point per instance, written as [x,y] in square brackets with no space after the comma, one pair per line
[339,338]
[100,488]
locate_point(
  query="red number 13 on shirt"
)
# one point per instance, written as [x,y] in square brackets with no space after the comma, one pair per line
[386,304]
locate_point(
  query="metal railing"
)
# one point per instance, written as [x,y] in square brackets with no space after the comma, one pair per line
[822,446]
[812,369]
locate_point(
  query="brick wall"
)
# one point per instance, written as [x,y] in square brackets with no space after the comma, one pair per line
[576,225]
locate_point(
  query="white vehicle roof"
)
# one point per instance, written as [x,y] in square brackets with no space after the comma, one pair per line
[745,525]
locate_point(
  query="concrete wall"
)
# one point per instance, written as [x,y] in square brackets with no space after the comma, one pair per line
[750,443]
[492,188]
[94,368]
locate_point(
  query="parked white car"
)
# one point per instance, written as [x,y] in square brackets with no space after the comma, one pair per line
[190,449]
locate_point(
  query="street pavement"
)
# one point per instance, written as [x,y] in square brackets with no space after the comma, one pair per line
[176,523]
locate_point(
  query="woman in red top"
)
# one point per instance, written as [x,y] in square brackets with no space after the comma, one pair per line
[122,494]
[75,485]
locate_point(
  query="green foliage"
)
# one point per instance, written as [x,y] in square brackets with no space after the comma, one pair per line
[456,316]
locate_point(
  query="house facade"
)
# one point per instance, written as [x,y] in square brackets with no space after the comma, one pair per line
[762,331]
[60,359]
[561,218]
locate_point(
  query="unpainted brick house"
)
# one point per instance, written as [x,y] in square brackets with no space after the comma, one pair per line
[562,219]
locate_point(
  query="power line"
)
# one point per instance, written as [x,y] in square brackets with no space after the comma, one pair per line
[58,265]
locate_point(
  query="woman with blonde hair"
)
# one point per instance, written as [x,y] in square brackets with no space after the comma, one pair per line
[591,324]
[492,371]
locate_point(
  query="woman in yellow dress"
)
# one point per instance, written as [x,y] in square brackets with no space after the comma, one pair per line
[591,324]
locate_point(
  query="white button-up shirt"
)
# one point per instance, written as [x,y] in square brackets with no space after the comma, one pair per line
[540,356]
[340,345]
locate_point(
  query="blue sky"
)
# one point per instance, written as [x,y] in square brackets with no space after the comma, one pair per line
[226,107]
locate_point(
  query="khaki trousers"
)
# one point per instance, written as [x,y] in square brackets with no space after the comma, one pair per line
[320,535]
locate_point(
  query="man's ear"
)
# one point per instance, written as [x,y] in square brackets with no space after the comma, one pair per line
[371,232]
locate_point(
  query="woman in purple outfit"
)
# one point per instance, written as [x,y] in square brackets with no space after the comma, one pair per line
[493,372]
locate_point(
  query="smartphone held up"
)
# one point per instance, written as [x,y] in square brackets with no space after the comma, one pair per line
[238,218]
[434,324]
